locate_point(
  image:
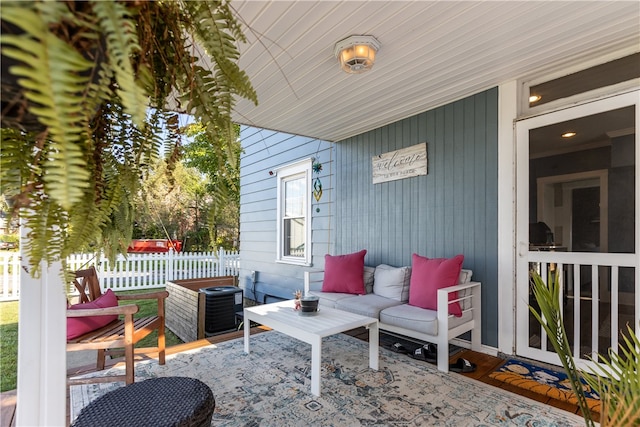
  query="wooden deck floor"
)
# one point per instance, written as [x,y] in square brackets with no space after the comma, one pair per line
[485,365]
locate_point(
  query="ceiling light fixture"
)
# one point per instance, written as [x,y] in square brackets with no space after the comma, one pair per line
[534,98]
[569,134]
[357,53]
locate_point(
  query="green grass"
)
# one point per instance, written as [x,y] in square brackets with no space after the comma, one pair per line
[150,308]
[9,337]
[8,345]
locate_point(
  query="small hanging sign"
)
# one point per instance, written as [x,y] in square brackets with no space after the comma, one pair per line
[400,164]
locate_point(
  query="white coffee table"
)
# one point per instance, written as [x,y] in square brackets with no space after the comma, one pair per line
[283,318]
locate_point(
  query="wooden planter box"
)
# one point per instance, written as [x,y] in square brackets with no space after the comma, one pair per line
[185,307]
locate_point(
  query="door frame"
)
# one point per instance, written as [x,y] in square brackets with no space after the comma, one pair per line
[601,176]
[522,128]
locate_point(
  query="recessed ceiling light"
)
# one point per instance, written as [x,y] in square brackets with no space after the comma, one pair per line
[534,98]
[568,134]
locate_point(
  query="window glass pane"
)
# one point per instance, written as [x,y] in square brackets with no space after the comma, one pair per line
[610,73]
[582,188]
[294,197]
[294,193]
[294,237]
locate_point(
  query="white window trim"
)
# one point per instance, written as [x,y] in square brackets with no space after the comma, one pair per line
[301,167]
[527,111]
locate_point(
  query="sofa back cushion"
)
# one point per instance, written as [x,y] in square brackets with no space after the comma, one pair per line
[392,282]
[344,273]
[429,275]
[465,294]
[367,277]
[465,276]
[78,326]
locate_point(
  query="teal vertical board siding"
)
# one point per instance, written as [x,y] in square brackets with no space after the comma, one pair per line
[451,210]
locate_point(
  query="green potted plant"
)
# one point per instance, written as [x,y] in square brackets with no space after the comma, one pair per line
[616,378]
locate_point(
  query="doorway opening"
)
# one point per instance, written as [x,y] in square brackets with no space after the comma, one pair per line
[577,215]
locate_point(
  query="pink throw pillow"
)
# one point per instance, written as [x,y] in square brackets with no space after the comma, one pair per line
[343,273]
[429,275]
[78,326]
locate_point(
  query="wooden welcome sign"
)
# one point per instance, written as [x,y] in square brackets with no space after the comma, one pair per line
[400,164]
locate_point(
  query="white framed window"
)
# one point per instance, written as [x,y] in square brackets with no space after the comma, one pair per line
[294,213]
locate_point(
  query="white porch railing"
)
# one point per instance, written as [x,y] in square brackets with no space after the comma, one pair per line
[600,297]
[135,271]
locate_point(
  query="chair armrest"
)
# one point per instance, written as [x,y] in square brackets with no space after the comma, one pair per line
[148,295]
[107,311]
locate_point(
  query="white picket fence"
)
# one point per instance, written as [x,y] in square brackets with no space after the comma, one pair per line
[135,271]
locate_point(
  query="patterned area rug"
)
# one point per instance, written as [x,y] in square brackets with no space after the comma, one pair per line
[548,382]
[271,387]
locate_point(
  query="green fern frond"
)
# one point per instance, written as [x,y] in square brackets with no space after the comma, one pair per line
[122,45]
[210,25]
[50,72]
[15,158]
[116,235]
[84,69]
[209,103]
[99,91]
[85,225]
[45,235]
[209,93]
[150,142]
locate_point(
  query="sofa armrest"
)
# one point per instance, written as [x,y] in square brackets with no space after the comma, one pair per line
[473,298]
[312,277]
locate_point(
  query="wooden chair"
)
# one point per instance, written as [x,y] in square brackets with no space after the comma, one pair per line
[122,333]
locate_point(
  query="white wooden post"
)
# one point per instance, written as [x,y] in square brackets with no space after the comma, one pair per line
[169,265]
[42,358]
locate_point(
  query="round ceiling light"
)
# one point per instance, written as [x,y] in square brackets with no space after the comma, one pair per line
[357,53]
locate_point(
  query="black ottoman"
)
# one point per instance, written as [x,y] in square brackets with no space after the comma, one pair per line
[170,401]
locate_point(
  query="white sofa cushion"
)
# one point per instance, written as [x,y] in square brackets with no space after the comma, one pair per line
[465,295]
[392,282]
[329,299]
[367,277]
[417,319]
[366,305]
[465,276]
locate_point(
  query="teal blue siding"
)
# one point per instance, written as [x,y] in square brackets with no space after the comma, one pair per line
[451,210]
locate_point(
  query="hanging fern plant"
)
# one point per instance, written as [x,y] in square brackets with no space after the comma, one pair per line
[88,85]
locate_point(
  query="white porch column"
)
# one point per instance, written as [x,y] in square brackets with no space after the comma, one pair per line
[42,358]
[508,112]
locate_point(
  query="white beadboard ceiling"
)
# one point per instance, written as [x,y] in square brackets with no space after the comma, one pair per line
[433,52]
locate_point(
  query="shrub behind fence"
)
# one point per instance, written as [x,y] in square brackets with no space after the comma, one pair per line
[133,271]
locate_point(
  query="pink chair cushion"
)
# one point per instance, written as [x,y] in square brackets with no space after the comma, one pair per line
[78,326]
[429,275]
[343,273]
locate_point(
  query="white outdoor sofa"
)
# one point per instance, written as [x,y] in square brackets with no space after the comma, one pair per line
[397,316]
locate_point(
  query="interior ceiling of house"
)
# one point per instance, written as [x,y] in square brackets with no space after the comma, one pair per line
[433,53]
